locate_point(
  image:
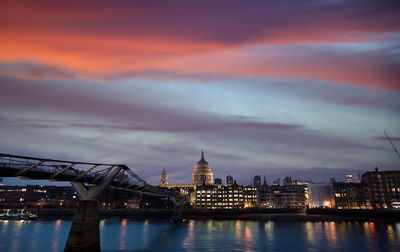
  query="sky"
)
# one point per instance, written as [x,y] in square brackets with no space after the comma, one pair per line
[277,88]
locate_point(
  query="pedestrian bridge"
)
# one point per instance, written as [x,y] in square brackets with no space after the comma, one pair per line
[89,180]
[89,174]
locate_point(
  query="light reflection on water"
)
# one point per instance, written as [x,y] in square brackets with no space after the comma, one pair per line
[209,235]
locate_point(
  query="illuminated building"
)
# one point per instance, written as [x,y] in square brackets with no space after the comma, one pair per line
[37,195]
[348,178]
[164,178]
[226,196]
[286,196]
[202,173]
[251,196]
[384,188]
[351,195]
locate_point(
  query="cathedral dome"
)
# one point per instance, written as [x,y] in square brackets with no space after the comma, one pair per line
[202,172]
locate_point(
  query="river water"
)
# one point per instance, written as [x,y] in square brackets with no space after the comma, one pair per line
[208,235]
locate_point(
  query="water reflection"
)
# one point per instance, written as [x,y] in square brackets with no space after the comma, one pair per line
[122,235]
[201,235]
[330,231]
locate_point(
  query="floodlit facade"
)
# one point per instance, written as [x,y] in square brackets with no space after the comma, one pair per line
[226,196]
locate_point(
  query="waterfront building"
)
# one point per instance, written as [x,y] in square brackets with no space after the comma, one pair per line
[384,188]
[32,196]
[251,196]
[226,196]
[321,195]
[164,178]
[218,181]
[229,180]
[351,195]
[286,196]
[202,173]
[257,181]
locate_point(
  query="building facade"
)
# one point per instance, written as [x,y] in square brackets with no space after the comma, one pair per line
[349,195]
[384,188]
[286,196]
[226,196]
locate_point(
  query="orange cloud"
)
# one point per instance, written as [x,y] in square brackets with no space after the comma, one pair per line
[103,38]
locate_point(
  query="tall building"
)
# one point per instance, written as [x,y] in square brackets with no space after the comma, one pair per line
[257,181]
[202,173]
[229,180]
[383,187]
[287,180]
[348,178]
[218,181]
[277,182]
[164,178]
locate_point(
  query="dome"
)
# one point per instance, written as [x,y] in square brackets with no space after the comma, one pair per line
[202,172]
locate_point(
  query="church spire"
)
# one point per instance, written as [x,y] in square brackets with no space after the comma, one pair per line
[164,178]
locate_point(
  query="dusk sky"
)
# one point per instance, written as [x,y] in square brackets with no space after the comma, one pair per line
[281,88]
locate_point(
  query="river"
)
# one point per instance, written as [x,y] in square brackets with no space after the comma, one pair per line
[208,235]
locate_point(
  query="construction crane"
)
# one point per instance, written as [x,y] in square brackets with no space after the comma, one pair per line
[390,140]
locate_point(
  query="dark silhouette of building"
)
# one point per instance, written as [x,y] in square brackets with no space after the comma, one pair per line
[287,181]
[257,181]
[229,180]
[218,181]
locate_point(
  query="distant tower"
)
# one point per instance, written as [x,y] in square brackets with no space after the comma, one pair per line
[229,180]
[257,181]
[265,181]
[348,178]
[202,173]
[358,177]
[277,182]
[164,178]
[287,181]
[218,181]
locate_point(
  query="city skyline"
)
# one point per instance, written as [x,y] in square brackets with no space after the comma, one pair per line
[282,89]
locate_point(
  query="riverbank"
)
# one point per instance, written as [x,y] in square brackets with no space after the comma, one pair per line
[242,214]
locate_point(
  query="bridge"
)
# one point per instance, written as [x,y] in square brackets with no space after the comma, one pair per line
[89,180]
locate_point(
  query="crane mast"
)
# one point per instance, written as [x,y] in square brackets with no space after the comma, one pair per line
[390,140]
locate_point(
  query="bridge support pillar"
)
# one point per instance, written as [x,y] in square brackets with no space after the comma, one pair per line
[177,213]
[84,234]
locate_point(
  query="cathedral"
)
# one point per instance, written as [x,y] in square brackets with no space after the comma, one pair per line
[202,173]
